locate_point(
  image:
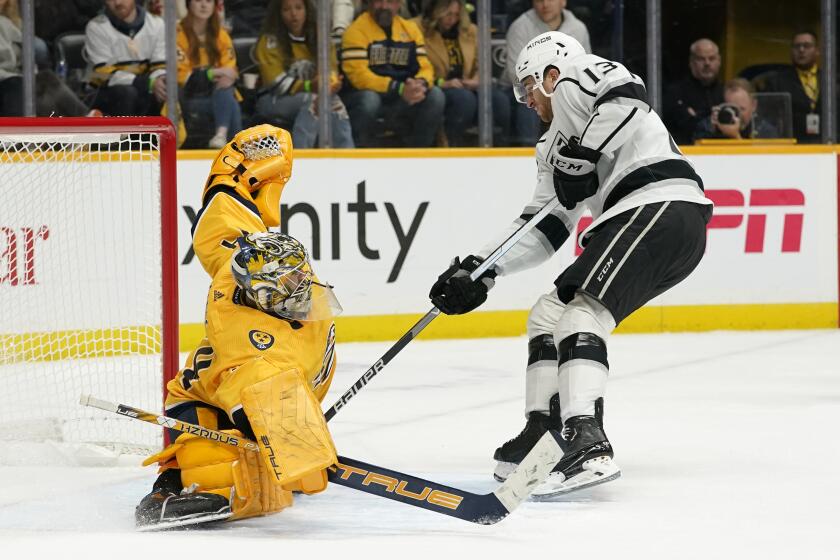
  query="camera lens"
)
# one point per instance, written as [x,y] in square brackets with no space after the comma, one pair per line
[727,114]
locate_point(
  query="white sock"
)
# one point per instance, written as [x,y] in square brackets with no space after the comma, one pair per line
[540,386]
[580,384]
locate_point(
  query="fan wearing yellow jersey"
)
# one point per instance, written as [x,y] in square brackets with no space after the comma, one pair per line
[267,359]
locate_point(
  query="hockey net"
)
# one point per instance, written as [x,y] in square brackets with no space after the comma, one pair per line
[88,283]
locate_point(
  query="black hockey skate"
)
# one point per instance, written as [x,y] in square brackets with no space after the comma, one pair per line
[169,505]
[588,461]
[514,450]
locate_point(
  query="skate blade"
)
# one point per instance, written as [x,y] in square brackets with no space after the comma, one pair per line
[185,521]
[595,471]
[503,470]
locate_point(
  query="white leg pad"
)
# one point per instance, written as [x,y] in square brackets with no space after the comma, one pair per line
[541,377]
[582,382]
[540,386]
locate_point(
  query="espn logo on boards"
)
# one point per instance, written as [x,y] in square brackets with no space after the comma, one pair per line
[727,200]
[756,221]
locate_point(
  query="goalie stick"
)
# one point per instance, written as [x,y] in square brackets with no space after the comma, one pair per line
[484,509]
[424,321]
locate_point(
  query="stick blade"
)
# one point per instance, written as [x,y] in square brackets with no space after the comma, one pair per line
[531,472]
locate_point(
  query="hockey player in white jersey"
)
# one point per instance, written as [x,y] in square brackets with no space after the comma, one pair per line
[608,152]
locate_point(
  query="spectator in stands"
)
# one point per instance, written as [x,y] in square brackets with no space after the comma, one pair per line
[689,102]
[125,45]
[343,12]
[52,96]
[286,53]
[452,48]
[384,59]
[802,81]
[207,72]
[736,117]
[545,15]
[11,9]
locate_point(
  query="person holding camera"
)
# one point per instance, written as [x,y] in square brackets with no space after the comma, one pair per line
[736,117]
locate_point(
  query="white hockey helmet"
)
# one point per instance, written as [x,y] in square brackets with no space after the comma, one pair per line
[552,48]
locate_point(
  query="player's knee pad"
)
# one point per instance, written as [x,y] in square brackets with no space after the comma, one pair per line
[584,314]
[544,315]
[582,346]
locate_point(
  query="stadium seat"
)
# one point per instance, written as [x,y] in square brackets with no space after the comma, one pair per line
[244,48]
[69,53]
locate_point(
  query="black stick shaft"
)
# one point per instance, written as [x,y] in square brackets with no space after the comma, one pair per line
[383,361]
[434,312]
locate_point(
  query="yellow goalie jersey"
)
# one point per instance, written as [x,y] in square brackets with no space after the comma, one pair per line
[267,359]
[236,333]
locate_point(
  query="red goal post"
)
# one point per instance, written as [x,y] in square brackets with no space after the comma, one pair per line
[88,275]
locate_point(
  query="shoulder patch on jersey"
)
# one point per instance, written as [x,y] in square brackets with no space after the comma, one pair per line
[217,295]
[260,339]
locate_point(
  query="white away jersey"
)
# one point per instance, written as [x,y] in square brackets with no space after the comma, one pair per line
[118,58]
[605,106]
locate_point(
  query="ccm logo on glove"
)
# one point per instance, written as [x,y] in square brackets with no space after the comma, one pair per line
[575,175]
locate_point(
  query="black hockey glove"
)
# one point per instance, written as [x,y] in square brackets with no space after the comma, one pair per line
[575,178]
[455,294]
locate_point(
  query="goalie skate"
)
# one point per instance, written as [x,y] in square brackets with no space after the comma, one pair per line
[168,507]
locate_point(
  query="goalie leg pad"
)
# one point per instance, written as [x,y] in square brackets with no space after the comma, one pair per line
[290,428]
[236,474]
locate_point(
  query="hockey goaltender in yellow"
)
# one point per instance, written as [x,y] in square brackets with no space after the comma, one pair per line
[267,359]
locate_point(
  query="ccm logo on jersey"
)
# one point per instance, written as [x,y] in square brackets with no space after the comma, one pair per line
[396,486]
[261,340]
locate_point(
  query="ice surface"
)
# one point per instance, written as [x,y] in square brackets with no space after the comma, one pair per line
[727,442]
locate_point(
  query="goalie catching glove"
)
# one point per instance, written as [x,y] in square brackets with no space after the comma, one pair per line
[257,163]
[455,293]
[575,174]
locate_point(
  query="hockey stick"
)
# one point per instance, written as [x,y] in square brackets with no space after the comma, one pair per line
[424,321]
[484,509]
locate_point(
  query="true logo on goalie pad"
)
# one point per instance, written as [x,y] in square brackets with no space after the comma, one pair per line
[261,340]
[272,458]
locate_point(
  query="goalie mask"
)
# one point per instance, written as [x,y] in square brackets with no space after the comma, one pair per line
[552,48]
[273,269]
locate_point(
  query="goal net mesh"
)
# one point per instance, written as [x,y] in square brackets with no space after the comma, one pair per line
[80,288]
